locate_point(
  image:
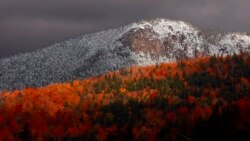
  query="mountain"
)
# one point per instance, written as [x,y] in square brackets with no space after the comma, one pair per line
[141,43]
[198,99]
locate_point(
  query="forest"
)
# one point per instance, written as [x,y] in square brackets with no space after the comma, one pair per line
[190,100]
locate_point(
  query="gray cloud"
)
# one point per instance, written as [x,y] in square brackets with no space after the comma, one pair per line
[26,25]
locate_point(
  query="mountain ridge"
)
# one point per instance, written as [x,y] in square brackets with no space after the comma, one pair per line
[143,43]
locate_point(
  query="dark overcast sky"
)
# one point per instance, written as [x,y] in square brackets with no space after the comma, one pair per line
[26,25]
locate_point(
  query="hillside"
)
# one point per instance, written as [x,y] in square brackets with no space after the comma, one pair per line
[205,98]
[142,43]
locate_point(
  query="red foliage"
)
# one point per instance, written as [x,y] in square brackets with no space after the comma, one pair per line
[190,99]
[62,111]
[183,111]
[171,117]
[58,131]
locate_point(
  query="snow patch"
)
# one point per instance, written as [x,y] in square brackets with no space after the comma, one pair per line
[144,59]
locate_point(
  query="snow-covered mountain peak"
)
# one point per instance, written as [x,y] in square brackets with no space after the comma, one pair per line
[165,26]
[145,42]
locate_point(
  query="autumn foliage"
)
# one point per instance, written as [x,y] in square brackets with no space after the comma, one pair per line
[200,99]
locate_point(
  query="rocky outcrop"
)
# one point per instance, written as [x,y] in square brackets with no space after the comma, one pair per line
[143,40]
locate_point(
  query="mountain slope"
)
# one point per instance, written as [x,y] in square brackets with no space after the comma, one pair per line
[199,99]
[140,43]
